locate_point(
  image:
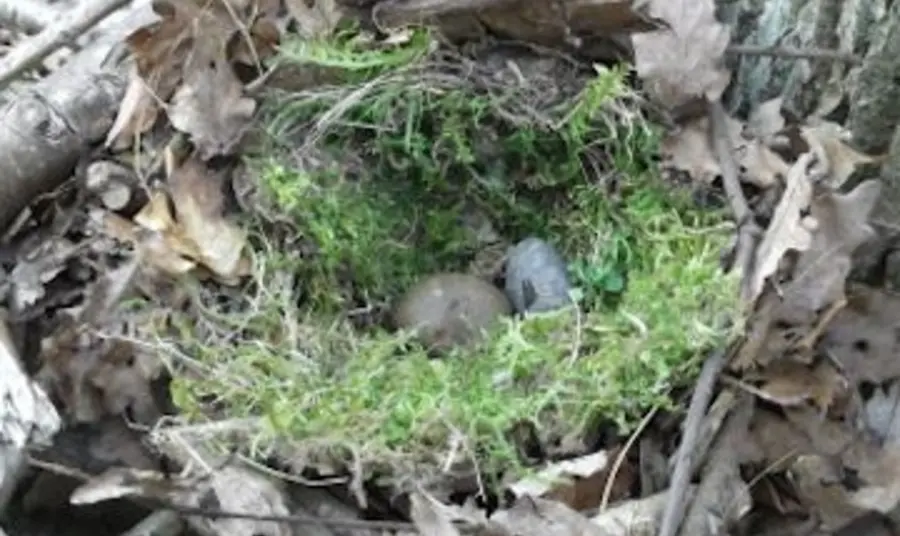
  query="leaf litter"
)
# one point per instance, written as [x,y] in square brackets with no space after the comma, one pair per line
[811,340]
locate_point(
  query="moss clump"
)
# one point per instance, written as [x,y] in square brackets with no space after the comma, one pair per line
[370,240]
[406,147]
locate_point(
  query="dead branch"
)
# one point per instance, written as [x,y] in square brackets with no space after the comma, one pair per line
[46,127]
[687,450]
[28,416]
[65,30]
[794,53]
[748,230]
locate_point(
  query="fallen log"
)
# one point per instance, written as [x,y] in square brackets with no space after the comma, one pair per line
[28,416]
[46,127]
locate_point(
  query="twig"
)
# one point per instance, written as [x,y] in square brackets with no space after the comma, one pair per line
[749,231]
[62,32]
[301,519]
[795,53]
[620,459]
[675,505]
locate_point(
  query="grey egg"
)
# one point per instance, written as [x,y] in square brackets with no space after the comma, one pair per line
[448,310]
[536,277]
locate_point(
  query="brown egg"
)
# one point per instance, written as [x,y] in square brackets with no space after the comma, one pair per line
[450,309]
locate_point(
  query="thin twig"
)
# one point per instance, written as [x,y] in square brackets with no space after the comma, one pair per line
[676,505]
[620,459]
[62,32]
[748,230]
[302,519]
[794,53]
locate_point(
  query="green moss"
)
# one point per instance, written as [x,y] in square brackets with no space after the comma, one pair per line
[645,264]
[368,238]
[336,386]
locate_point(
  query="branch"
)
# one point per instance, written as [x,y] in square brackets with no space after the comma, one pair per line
[796,53]
[63,31]
[748,230]
[687,450]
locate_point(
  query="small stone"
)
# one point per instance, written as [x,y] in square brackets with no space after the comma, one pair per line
[536,277]
[450,309]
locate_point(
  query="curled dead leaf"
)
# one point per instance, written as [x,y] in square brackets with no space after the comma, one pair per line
[220,245]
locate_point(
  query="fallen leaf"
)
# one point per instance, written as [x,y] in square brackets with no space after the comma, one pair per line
[881,412]
[637,517]
[817,482]
[210,106]
[789,383]
[828,141]
[36,267]
[530,516]
[685,60]
[136,115]
[765,120]
[156,214]
[578,482]
[880,477]
[241,490]
[199,205]
[689,149]
[91,448]
[787,230]
[428,516]
[178,49]
[842,226]
[865,336]
[315,18]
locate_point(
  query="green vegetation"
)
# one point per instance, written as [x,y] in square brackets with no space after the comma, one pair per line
[388,160]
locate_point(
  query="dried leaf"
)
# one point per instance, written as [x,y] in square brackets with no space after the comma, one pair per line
[817,481]
[190,45]
[137,112]
[842,221]
[199,204]
[787,230]
[638,517]
[540,517]
[689,149]
[429,517]
[210,106]
[790,383]
[544,481]
[865,336]
[880,412]
[827,140]
[766,120]
[683,61]
[579,482]
[241,490]
[38,267]
[316,18]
